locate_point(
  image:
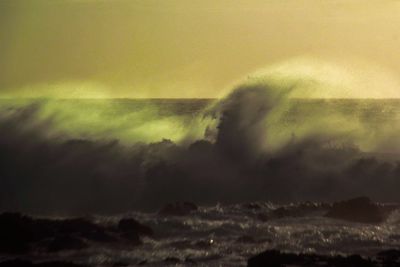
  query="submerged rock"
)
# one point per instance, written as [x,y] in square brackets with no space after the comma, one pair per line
[360,209]
[128,225]
[178,209]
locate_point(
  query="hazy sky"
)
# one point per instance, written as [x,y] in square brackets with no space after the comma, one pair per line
[181,48]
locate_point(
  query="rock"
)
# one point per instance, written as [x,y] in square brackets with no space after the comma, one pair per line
[172,260]
[131,225]
[271,258]
[350,261]
[252,206]
[99,236]
[274,258]
[263,217]
[132,230]
[58,264]
[82,228]
[390,256]
[16,233]
[143,262]
[178,209]
[360,209]
[20,234]
[284,212]
[16,263]
[66,243]
[295,211]
[120,264]
[190,261]
[25,263]
[133,237]
[301,210]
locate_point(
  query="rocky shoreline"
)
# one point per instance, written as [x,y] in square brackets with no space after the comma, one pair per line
[269,258]
[275,258]
[21,234]
[23,238]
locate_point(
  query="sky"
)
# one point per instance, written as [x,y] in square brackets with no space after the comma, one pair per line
[192,49]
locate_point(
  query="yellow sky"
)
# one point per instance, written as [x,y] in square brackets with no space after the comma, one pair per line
[180,48]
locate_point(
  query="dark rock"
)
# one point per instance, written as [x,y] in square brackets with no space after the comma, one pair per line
[19,234]
[16,263]
[301,210]
[274,258]
[131,225]
[263,217]
[77,225]
[283,212]
[190,261]
[120,264]
[350,261]
[133,237]
[59,264]
[171,260]
[252,206]
[66,242]
[16,233]
[389,256]
[360,209]
[178,209]
[98,236]
[81,227]
[132,230]
[25,263]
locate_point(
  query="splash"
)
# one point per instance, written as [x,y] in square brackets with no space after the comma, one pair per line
[260,142]
[290,103]
[125,120]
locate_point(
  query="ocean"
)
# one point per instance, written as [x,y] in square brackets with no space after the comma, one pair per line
[240,159]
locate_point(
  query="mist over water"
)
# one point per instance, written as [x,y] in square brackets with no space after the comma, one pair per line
[62,156]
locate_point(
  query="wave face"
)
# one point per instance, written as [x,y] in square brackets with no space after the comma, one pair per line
[257,143]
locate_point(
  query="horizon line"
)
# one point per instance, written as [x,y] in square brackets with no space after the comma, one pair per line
[190,98]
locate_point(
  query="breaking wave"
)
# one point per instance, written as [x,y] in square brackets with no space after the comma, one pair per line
[257,143]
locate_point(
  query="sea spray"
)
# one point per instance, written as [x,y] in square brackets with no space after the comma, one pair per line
[257,143]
